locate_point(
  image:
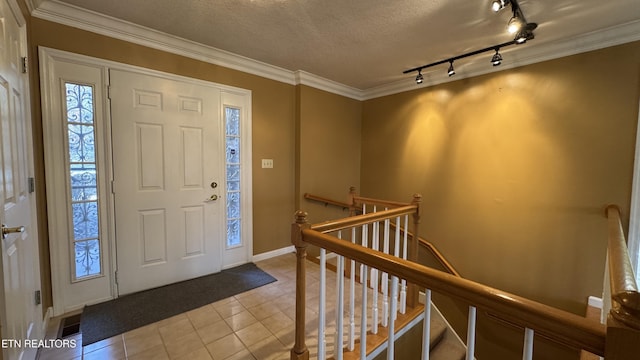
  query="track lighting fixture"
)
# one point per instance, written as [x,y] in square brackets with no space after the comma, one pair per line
[517,25]
[498,5]
[526,33]
[497,58]
[451,70]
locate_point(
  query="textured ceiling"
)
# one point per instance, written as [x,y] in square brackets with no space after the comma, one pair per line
[361,43]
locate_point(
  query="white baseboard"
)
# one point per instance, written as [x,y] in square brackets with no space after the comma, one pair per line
[45,321]
[274,253]
[595,302]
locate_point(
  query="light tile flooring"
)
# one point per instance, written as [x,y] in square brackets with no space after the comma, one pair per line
[257,324]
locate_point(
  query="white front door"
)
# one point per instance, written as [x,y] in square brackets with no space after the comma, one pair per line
[20,315]
[168,176]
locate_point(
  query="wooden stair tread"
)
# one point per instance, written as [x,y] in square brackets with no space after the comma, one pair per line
[375,340]
[442,344]
[448,350]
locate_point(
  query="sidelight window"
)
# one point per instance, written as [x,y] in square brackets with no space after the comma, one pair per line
[232,150]
[83,185]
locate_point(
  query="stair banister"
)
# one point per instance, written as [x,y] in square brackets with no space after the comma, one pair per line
[623,321]
[569,328]
[622,333]
[345,223]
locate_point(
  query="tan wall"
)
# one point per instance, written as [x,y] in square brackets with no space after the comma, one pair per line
[273,125]
[328,150]
[515,168]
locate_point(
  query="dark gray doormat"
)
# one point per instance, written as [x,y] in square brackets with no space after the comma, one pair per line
[107,319]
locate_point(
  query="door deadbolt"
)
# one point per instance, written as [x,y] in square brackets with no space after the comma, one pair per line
[214,185]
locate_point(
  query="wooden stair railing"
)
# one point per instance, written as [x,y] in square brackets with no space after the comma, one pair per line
[623,320]
[356,207]
[622,332]
[572,329]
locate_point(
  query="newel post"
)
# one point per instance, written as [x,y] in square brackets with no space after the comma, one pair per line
[351,200]
[300,350]
[412,295]
[622,340]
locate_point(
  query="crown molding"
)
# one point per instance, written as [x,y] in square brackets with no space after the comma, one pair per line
[527,54]
[83,19]
[308,79]
[32,5]
[531,53]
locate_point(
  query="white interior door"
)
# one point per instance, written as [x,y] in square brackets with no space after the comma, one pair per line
[168,174]
[21,316]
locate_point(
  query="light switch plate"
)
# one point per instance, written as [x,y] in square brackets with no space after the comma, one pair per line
[267,163]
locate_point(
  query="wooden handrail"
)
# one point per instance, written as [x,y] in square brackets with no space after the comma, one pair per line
[371,201]
[569,328]
[438,255]
[344,223]
[359,199]
[624,289]
[327,201]
[434,251]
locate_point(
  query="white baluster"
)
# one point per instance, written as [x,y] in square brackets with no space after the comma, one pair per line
[322,305]
[527,352]
[396,253]
[363,317]
[375,229]
[337,345]
[374,281]
[385,277]
[426,326]
[471,333]
[352,296]
[365,241]
[392,324]
[403,290]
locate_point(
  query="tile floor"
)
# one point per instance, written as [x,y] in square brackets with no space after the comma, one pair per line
[258,324]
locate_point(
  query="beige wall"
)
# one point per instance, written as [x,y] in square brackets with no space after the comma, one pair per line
[328,147]
[515,168]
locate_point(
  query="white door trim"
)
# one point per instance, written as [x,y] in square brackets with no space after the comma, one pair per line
[48,57]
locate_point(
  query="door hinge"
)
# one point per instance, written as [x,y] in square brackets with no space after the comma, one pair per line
[113,186]
[31,185]
[109,92]
[24,64]
[116,276]
[38,298]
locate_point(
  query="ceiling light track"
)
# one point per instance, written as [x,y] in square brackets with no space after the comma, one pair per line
[495,48]
[517,25]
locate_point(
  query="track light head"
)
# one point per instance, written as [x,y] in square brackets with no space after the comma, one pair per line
[515,23]
[526,33]
[451,70]
[498,5]
[497,58]
[419,78]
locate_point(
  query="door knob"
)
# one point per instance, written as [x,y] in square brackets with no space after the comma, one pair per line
[11,230]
